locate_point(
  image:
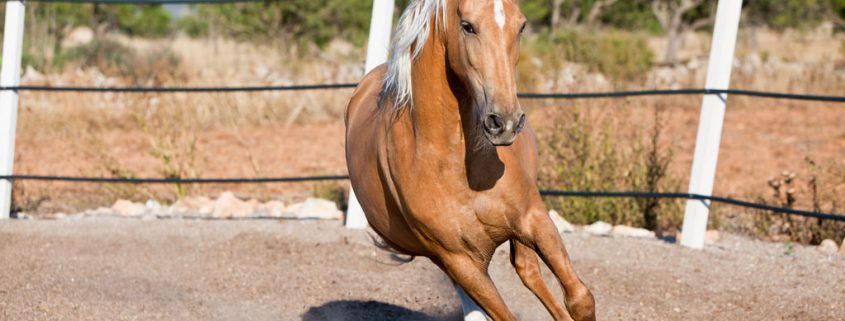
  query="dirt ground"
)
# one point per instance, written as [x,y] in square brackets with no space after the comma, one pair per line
[126,269]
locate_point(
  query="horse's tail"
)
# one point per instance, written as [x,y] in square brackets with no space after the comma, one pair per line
[394,254]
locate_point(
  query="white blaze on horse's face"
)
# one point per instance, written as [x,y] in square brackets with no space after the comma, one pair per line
[483,51]
[499,12]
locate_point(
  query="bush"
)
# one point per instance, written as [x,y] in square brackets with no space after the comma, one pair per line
[304,21]
[618,55]
[583,153]
[114,59]
[151,21]
[108,56]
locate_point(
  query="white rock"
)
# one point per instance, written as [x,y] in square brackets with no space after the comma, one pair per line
[193,205]
[228,206]
[828,246]
[599,228]
[560,223]
[99,212]
[78,36]
[128,208]
[272,208]
[627,231]
[33,77]
[152,204]
[711,237]
[314,208]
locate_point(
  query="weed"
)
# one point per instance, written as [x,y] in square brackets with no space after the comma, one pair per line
[585,155]
[787,191]
[330,191]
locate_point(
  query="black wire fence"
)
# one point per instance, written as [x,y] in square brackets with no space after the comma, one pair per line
[614,94]
[548,193]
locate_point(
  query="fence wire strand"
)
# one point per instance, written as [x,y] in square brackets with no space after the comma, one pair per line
[589,95]
[548,193]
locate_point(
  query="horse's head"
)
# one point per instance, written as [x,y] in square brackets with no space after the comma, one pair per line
[482,49]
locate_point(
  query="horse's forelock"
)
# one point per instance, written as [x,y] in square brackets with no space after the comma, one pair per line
[413,31]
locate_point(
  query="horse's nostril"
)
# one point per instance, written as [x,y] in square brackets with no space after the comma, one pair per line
[520,123]
[494,124]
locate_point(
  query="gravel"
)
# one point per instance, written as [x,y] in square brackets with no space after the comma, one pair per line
[129,269]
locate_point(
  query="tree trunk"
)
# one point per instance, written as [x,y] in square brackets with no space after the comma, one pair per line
[574,13]
[670,14]
[597,9]
[672,46]
[555,18]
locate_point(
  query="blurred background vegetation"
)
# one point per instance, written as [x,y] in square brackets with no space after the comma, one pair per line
[316,23]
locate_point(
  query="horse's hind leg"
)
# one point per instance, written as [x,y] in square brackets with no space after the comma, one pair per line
[527,266]
[537,229]
[472,277]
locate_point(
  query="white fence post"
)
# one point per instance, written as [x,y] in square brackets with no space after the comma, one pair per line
[710,124]
[377,50]
[9,77]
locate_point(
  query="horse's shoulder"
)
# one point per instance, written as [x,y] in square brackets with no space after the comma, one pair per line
[367,92]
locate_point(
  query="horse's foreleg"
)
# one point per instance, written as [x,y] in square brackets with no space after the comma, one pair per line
[472,311]
[472,277]
[527,266]
[537,229]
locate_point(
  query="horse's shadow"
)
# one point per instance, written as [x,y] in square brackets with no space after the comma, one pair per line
[370,311]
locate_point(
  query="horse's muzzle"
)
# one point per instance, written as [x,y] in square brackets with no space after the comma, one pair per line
[501,130]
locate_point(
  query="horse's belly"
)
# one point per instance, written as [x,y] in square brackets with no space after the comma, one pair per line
[370,186]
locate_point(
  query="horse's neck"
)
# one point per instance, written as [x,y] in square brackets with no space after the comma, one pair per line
[435,111]
[441,119]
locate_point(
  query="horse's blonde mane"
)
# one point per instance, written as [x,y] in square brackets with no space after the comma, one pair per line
[407,43]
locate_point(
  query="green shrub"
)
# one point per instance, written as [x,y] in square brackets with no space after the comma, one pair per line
[114,59]
[193,26]
[618,55]
[631,15]
[150,21]
[109,56]
[304,21]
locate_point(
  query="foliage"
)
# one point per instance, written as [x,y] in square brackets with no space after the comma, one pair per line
[536,11]
[114,59]
[584,154]
[631,15]
[304,20]
[143,21]
[619,55]
[786,14]
[109,56]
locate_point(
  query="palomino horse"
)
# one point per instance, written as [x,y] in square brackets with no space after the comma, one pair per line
[438,163]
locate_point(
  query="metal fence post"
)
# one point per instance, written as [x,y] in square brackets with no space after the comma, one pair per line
[710,124]
[9,77]
[381,24]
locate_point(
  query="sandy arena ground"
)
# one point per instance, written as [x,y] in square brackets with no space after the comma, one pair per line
[126,269]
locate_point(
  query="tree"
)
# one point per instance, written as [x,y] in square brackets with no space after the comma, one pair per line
[675,18]
[306,21]
[597,9]
[787,14]
[555,18]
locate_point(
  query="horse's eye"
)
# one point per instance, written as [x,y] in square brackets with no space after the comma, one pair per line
[468,28]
